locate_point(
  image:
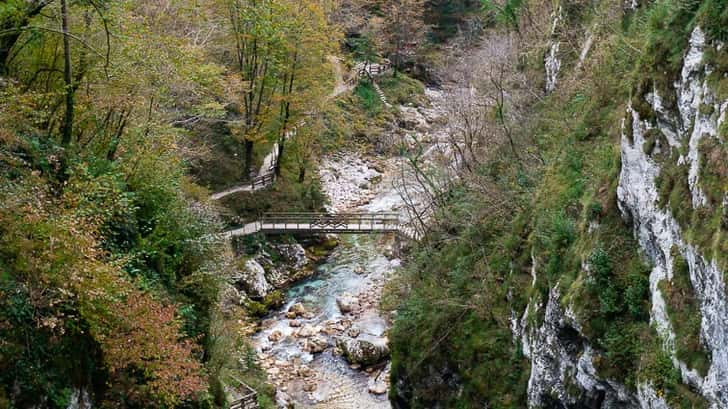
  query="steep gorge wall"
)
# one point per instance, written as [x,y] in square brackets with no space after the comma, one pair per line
[665,208]
[561,357]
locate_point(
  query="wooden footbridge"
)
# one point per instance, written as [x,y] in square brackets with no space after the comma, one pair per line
[320,223]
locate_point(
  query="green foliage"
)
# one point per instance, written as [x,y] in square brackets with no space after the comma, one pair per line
[657,368]
[401,89]
[467,281]
[368,97]
[684,312]
[594,210]
[600,282]
[286,195]
[508,13]
[572,220]
[362,48]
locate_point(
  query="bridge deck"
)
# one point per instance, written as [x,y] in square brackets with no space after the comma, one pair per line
[319,223]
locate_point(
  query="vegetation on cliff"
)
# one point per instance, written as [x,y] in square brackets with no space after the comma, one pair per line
[557,224]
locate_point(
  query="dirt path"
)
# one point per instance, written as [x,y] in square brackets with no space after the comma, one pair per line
[340,86]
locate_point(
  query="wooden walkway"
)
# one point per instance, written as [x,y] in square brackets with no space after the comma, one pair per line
[242,396]
[320,223]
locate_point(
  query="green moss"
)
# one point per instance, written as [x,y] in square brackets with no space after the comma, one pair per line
[713,169]
[261,308]
[683,309]
[706,109]
[673,189]
[652,136]
[355,121]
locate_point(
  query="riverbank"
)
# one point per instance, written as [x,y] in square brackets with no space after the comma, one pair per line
[327,347]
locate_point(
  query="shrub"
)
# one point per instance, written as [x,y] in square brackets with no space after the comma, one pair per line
[368,97]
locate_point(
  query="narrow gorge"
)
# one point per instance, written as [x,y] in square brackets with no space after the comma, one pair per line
[364,204]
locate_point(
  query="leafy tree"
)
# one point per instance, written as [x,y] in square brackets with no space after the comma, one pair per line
[310,40]
[259,43]
[403,30]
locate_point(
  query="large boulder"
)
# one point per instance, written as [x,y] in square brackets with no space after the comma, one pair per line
[316,344]
[296,310]
[253,280]
[294,254]
[346,303]
[286,265]
[364,350]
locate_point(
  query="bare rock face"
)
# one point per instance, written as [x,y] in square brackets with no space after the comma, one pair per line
[364,350]
[562,373]
[552,62]
[562,368]
[660,235]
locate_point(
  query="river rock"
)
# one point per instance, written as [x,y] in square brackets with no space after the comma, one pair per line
[377,387]
[275,336]
[346,302]
[308,331]
[309,386]
[365,350]
[294,323]
[316,344]
[296,310]
[305,372]
[379,384]
[283,400]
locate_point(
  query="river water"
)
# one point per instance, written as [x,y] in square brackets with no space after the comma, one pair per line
[357,269]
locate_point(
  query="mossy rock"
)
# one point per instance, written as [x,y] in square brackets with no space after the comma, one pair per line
[684,311]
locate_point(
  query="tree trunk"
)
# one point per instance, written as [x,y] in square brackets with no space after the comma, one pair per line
[6,44]
[67,130]
[301,174]
[8,40]
[248,158]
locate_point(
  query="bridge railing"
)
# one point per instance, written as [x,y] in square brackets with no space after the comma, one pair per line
[331,221]
[263,180]
[242,396]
